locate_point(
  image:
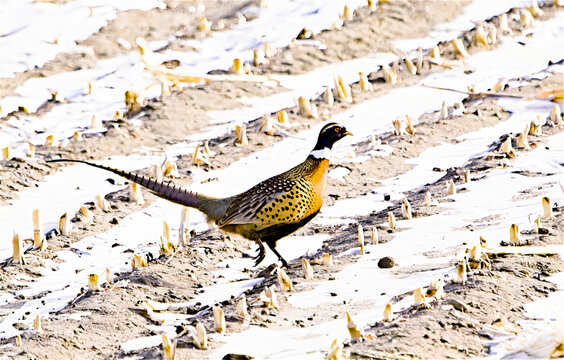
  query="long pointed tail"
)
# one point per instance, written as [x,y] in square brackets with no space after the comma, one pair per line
[212,207]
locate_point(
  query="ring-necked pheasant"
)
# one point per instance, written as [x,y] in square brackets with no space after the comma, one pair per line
[267,212]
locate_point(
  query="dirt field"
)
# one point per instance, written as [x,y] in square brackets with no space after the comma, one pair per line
[459,325]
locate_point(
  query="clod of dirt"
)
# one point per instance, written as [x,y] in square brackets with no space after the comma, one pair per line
[386,262]
[237,357]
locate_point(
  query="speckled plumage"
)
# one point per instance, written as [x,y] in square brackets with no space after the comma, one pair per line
[279,205]
[270,210]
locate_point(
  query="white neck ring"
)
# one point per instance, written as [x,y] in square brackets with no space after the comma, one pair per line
[324,153]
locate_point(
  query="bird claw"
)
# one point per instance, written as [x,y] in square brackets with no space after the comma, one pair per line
[260,255]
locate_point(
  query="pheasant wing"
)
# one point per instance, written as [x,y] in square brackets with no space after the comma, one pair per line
[246,207]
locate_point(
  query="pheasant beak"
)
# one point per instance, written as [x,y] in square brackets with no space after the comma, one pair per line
[348,133]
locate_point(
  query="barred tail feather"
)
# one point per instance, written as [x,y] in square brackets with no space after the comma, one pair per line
[212,207]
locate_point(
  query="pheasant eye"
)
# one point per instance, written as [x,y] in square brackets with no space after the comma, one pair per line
[338,129]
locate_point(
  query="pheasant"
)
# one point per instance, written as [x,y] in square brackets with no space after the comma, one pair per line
[267,212]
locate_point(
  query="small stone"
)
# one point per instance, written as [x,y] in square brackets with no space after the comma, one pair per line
[237,357]
[386,262]
[20,326]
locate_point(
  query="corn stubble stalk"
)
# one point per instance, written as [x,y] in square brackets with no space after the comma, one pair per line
[31,150]
[167,247]
[534,9]
[492,34]
[37,323]
[6,153]
[241,308]
[388,315]
[419,60]
[200,337]
[204,25]
[460,48]
[504,25]
[365,85]
[443,115]
[267,126]
[39,241]
[85,215]
[93,282]
[427,200]
[328,97]
[390,75]
[418,297]
[500,85]
[284,280]
[461,275]
[374,236]
[357,335]
[282,116]
[406,209]
[327,259]
[507,149]
[451,188]
[435,289]
[200,157]
[183,232]
[522,139]
[138,261]
[207,149]
[65,226]
[103,204]
[480,36]
[133,101]
[17,254]
[109,277]
[361,239]
[555,116]
[392,221]
[526,18]
[135,194]
[335,351]
[514,234]
[436,55]
[218,319]
[241,134]
[18,340]
[546,209]
[535,127]
[409,127]
[169,347]
[398,127]
[258,57]
[268,297]
[476,257]
[467,176]
[50,140]
[410,66]
[237,67]
[307,269]
[306,108]
[343,90]
[96,123]
[170,169]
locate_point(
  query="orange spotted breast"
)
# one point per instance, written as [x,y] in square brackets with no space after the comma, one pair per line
[289,198]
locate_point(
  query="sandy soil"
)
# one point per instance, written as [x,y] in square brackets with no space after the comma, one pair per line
[492,296]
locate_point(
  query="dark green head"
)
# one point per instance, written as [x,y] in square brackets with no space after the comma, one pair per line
[330,134]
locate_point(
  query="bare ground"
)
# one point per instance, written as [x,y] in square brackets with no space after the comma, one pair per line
[498,292]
